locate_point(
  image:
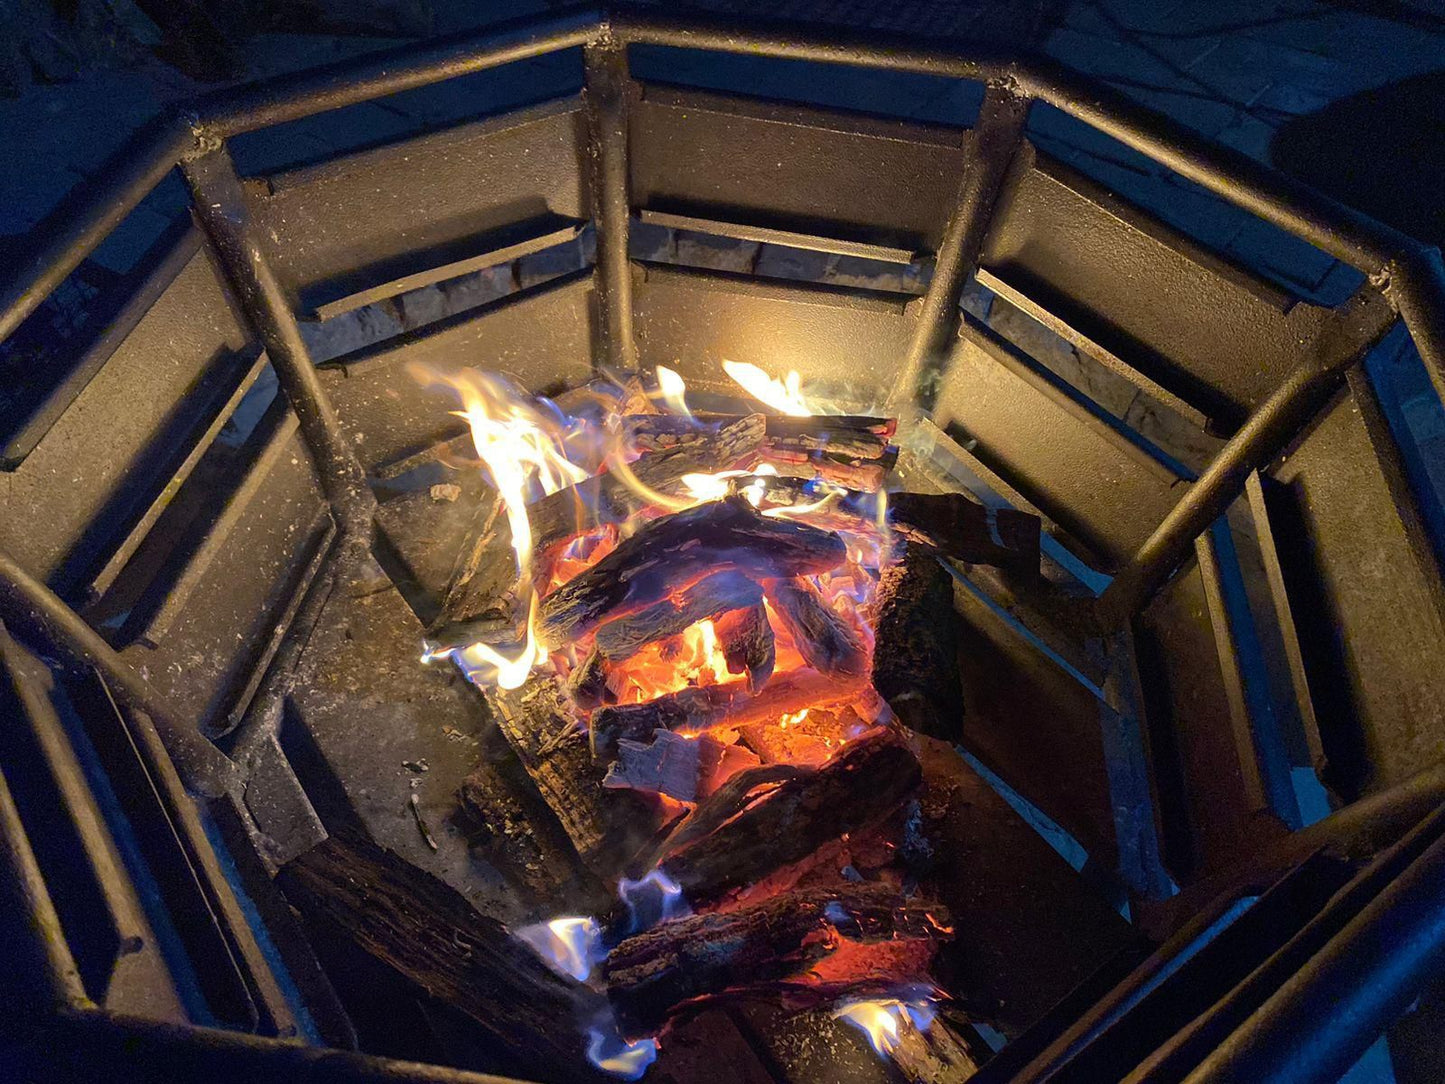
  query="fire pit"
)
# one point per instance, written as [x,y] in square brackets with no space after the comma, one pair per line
[672,584]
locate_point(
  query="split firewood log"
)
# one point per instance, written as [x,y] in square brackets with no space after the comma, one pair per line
[483,591]
[707,598]
[684,769]
[859,787]
[674,552]
[950,524]
[916,644]
[828,642]
[747,643]
[845,437]
[425,933]
[652,975]
[603,825]
[695,711]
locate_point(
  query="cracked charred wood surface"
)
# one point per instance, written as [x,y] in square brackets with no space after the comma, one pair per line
[552,747]
[675,552]
[827,641]
[960,527]
[483,591]
[863,784]
[845,436]
[424,931]
[651,975]
[505,831]
[746,637]
[709,597]
[586,686]
[916,644]
[695,711]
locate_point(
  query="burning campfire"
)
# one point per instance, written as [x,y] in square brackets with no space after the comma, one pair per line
[703,633]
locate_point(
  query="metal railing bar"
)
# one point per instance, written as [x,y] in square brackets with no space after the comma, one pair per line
[220,206]
[350,82]
[992,144]
[604,99]
[77,226]
[1359,325]
[41,620]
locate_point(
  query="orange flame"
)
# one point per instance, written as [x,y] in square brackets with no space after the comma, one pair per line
[887,1020]
[784,396]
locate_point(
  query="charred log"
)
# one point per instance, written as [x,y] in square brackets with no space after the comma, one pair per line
[709,597]
[916,644]
[695,711]
[747,643]
[651,975]
[483,591]
[505,831]
[866,781]
[825,639]
[844,436]
[675,552]
[959,527]
[552,748]
[587,685]
[425,932]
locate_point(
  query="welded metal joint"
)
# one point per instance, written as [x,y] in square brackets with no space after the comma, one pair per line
[220,208]
[989,152]
[604,95]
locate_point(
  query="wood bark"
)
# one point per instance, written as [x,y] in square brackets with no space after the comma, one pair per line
[747,642]
[651,975]
[603,825]
[504,829]
[960,527]
[425,932]
[675,552]
[916,644]
[867,781]
[845,436]
[695,711]
[828,642]
[709,597]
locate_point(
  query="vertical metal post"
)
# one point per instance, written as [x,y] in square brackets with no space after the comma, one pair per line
[604,64]
[1272,425]
[1417,287]
[221,209]
[989,152]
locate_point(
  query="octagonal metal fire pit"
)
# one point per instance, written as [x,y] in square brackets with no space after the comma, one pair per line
[207,488]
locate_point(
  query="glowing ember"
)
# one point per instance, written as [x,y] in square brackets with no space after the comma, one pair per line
[886,1021]
[785,396]
[569,946]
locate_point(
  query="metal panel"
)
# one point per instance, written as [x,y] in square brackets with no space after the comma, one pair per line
[543,337]
[1365,596]
[363,220]
[1149,299]
[1212,804]
[1066,459]
[224,601]
[794,168]
[104,460]
[831,335]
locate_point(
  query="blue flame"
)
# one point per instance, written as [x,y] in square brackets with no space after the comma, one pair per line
[615,1055]
[569,946]
[652,899]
